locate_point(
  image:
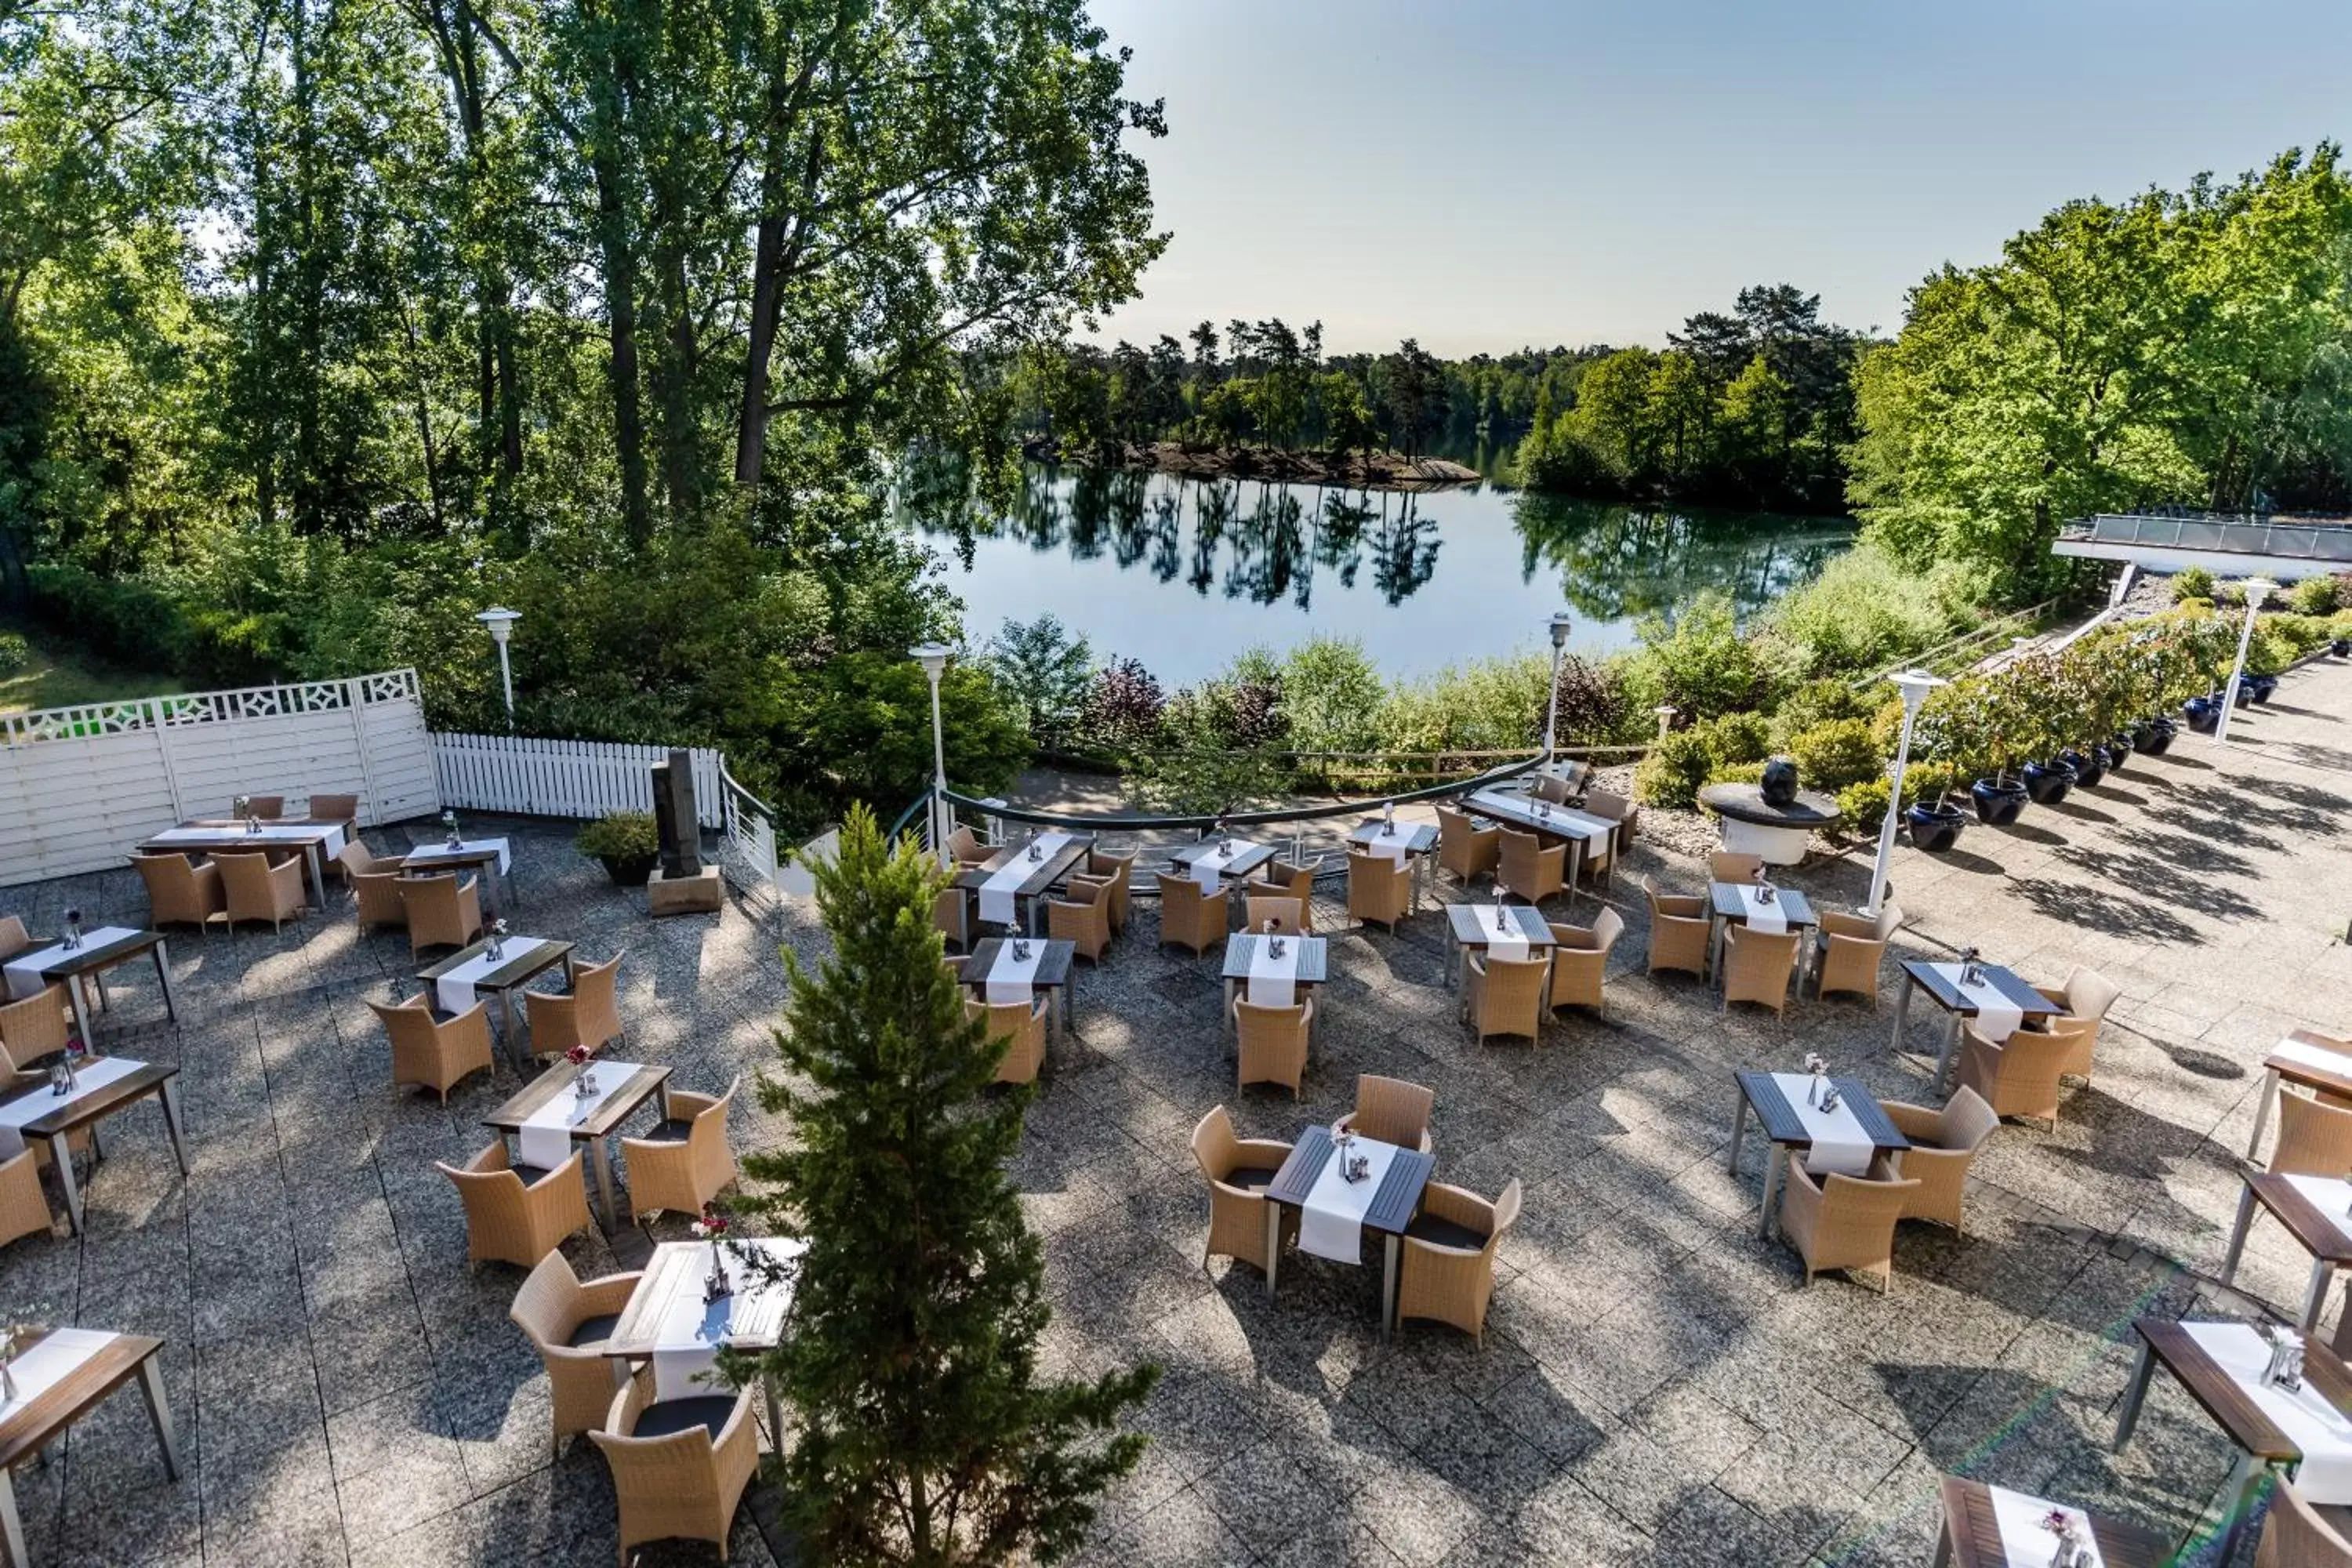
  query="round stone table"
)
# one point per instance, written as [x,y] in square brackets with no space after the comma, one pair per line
[1777,833]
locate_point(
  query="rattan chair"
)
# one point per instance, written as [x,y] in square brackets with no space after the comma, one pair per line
[441,912]
[1081,917]
[37,1026]
[590,1016]
[1188,916]
[257,890]
[1289,879]
[1531,869]
[1622,810]
[1681,931]
[1288,915]
[356,859]
[1119,871]
[268,808]
[14,938]
[1729,866]
[435,1054]
[1756,965]
[510,1221]
[181,893]
[2086,995]
[2314,1139]
[1465,848]
[1022,1024]
[1379,890]
[951,913]
[2018,1076]
[1447,1270]
[1547,787]
[342,808]
[1845,1222]
[1238,1170]
[686,1161]
[1504,995]
[1944,1144]
[1852,949]
[2295,1535]
[1274,1041]
[1579,961]
[24,1211]
[679,1466]
[1392,1110]
[568,1322]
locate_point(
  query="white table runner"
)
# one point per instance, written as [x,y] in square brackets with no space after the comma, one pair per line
[28,971]
[432,854]
[1331,1222]
[50,1362]
[1770,918]
[1997,1017]
[1209,868]
[2318,1057]
[2331,1197]
[1391,846]
[1840,1145]
[1011,979]
[2024,1541]
[454,990]
[998,904]
[690,1332]
[39,1102]
[2323,1432]
[1274,981]
[1508,941]
[330,839]
[546,1136]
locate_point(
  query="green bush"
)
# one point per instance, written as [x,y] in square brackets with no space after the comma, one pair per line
[2270,650]
[2315,597]
[1736,738]
[1866,611]
[2305,634]
[16,653]
[1864,806]
[1331,693]
[1833,755]
[1671,774]
[619,836]
[1737,773]
[2340,625]
[1818,702]
[1701,664]
[2194,583]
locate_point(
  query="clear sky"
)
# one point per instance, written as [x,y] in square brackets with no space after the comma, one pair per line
[1486,173]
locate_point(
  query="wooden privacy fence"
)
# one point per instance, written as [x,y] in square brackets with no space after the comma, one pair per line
[537,777]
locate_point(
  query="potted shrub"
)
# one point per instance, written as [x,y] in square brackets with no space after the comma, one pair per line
[1934,820]
[1967,726]
[626,842]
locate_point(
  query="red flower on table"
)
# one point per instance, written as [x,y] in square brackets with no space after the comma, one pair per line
[577,1055]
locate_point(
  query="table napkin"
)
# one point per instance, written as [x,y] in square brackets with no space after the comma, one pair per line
[1272,982]
[2323,1432]
[545,1140]
[2319,1057]
[1840,1145]
[998,903]
[1208,868]
[686,1344]
[1512,943]
[1332,1222]
[2023,1542]
[28,971]
[1770,918]
[2331,1196]
[37,1101]
[1388,845]
[1011,979]
[50,1362]
[1997,1017]
[454,990]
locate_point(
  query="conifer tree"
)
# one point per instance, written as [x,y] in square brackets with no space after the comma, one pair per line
[922,1434]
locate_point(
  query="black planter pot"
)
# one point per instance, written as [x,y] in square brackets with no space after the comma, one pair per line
[2154,737]
[2118,752]
[2341,648]
[2245,693]
[629,870]
[2048,783]
[2088,765]
[1996,804]
[2202,713]
[2260,687]
[1935,828]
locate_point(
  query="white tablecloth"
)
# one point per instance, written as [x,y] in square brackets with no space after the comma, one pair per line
[686,1344]
[1769,919]
[2323,1432]
[330,839]
[28,971]
[1840,1145]
[1274,981]
[998,903]
[2318,1057]
[1508,940]
[37,1101]
[1390,845]
[2331,1197]
[1332,1222]
[50,1362]
[454,990]
[1209,869]
[546,1136]
[1011,979]
[2024,1541]
[424,858]
[1997,1017]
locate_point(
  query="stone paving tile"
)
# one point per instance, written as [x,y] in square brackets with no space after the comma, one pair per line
[1656,1385]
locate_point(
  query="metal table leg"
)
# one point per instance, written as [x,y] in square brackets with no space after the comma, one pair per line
[2135,1395]
[1903,1012]
[1388,1288]
[2265,1107]
[12,1528]
[81,1014]
[312,858]
[602,1159]
[2238,1229]
[2245,1478]
[159,1411]
[1951,1048]
[61,1162]
[2314,1296]
[1772,1162]
[163,976]
[174,1122]
[1739,1131]
[1272,1242]
[775,1414]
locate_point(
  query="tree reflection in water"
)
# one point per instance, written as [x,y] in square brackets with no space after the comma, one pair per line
[1617,562]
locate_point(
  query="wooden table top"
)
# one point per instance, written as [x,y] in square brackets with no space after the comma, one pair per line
[2308,1075]
[1054,960]
[1948,996]
[614,1109]
[2321,1234]
[1393,1205]
[1470,931]
[1419,837]
[1048,870]
[91,954]
[1975,1537]
[677,1266]
[2227,1402]
[1782,1125]
[1314,957]
[440,857]
[1540,816]
[280,833]
[522,966]
[1247,856]
[102,1101]
[1793,907]
[28,1427]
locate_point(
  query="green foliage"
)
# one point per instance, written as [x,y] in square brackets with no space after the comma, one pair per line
[1735,738]
[1737,773]
[1700,663]
[1197,780]
[16,653]
[1489,705]
[1864,804]
[1833,755]
[1046,670]
[1331,697]
[1866,611]
[2315,597]
[1595,706]
[1671,774]
[2340,625]
[870,713]
[2195,583]
[922,1433]
[619,836]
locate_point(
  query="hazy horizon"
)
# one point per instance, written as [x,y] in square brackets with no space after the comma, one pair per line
[1506,173]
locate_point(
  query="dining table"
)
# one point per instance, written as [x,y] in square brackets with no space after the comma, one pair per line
[1011,887]
[1475,928]
[1385,1204]
[549,1104]
[1248,965]
[473,970]
[1846,1141]
[85,957]
[671,1321]
[2309,1060]
[1739,903]
[1991,1526]
[1415,842]
[61,1374]
[1055,961]
[492,860]
[2000,990]
[315,842]
[1531,813]
[83,1091]
[1221,860]
[2316,1210]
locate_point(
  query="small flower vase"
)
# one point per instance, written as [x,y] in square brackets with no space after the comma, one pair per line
[73,935]
[60,1077]
[8,1380]
[1813,1090]
[584,1086]
[716,1287]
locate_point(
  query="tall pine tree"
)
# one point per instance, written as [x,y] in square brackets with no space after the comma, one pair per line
[924,1435]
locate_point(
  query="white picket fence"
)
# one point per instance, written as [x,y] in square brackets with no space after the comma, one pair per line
[564,778]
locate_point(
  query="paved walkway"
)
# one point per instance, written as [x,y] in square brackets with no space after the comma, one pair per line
[1656,1385]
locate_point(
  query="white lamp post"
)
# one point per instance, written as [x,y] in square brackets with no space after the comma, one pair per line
[933,658]
[501,620]
[2257,590]
[1561,626]
[1914,685]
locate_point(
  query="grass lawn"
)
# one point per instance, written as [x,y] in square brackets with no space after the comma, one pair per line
[59,678]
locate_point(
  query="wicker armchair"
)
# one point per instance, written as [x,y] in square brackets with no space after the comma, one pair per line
[342,808]
[1852,949]
[1294,881]
[1446,1272]
[1288,914]
[1379,890]
[590,1016]
[39,1026]
[181,893]
[1681,931]
[1756,965]
[2314,1139]
[509,1221]
[441,912]
[1729,866]
[2295,1536]
[1547,787]
[1274,1040]
[1621,809]
[1845,1222]
[1580,961]
[1239,1170]
[2086,995]
[1531,869]
[686,1161]
[257,890]
[567,1322]
[437,1054]
[1392,1112]
[1188,916]
[1119,871]
[679,1466]
[1022,1024]
[1944,1143]
[268,808]
[1082,917]
[2018,1076]
[356,859]
[1465,848]
[951,913]
[967,848]
[23,1209]
[1504,995]
[14,938]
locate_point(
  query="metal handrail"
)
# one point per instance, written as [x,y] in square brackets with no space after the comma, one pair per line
[2293,539]
[1232,818]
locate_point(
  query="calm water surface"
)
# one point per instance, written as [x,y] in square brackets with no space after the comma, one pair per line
[1184,574]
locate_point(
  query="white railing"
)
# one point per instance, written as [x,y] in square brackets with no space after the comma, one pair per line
[565,778]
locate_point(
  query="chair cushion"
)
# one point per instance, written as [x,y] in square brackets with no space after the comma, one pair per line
[531,1174]
[593,1330]
[666,1416]
[1250,1178]
[671,1131]
[1444,1233]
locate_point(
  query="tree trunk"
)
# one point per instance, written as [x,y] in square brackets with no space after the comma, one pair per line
[618,263]
[752,420]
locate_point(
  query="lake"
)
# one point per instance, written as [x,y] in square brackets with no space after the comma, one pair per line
[1183,573]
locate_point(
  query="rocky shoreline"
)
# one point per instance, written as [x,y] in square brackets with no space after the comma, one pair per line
[1356,470]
